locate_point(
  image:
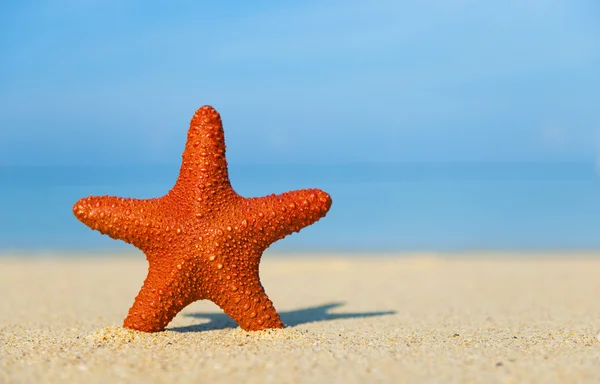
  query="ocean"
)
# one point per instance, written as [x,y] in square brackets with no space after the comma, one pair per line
[376,207]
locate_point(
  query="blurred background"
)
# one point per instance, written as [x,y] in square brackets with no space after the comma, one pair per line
[442,125]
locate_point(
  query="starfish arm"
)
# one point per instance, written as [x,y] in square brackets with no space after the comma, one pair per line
[204,166]
[280,215]
[131,220]
[248,304]
[162,296]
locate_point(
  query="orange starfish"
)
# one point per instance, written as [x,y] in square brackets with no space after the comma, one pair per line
[202,240]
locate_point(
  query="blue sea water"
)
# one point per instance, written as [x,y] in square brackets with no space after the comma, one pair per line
[376,207]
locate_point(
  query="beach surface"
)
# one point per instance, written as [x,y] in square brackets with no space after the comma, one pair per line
[488,318]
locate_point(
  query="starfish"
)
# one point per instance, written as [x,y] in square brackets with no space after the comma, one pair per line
[202,240]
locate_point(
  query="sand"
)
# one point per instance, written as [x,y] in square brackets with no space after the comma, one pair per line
[352,319]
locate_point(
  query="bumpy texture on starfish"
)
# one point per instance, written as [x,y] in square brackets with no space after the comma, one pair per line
[202,240]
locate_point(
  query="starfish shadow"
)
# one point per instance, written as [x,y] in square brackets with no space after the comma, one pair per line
[289,318]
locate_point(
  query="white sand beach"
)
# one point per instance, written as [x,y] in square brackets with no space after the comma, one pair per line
[485,318]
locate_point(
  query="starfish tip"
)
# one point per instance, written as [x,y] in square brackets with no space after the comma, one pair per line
[324,198]
[92,210]
[206,114]
[81,208]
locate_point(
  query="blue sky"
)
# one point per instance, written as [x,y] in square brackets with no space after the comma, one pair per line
[116,82]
